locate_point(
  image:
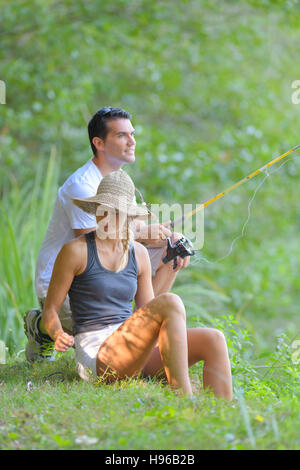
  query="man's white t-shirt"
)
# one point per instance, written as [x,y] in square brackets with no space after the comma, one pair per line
[66,217]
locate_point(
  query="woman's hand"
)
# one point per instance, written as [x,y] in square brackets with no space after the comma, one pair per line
[63,342]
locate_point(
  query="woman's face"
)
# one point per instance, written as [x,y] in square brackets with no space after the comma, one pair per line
[110,223]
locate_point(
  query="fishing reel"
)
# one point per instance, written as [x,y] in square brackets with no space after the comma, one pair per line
[182,247]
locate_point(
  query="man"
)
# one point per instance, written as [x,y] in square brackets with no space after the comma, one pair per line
[113,144]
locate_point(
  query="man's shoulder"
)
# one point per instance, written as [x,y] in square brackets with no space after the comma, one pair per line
[83,182]
[88,172]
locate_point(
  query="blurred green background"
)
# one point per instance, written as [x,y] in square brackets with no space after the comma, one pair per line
[209,86]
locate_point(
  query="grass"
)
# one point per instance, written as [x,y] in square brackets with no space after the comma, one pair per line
[71,414]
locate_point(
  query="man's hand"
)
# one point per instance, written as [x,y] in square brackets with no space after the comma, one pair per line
[63,342]
[181,262]
[153,235]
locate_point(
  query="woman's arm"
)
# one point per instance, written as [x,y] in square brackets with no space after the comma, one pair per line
[144,282]
[69,263]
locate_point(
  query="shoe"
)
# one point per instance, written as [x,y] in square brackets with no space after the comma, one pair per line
[40,347]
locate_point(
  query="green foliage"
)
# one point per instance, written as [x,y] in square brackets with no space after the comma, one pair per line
[188,77]
[24,216]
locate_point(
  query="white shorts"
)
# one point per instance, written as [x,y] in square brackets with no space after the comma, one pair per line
[87,346]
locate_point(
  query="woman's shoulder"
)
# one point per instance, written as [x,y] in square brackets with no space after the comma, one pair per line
[75,246]
[140,249]
[74,255]
[141,254]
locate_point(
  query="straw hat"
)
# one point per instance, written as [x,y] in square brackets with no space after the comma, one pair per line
[115,191]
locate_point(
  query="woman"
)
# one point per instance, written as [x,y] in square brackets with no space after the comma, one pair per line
[103,272]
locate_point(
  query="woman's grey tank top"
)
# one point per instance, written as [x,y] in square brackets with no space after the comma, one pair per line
[100,297]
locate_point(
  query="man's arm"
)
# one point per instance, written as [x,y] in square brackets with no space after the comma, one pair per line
[152,235]
[81,231]
[80,221]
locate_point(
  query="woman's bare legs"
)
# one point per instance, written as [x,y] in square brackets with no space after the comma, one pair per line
[205,344]
[128,349]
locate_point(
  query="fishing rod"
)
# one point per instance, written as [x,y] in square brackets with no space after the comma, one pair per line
[243,180]
[184,247]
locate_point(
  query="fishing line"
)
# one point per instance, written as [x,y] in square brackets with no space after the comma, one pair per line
[265,170]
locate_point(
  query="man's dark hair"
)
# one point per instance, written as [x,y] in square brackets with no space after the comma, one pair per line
[98,127]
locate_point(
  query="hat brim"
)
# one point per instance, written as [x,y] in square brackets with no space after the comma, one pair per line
[91,204]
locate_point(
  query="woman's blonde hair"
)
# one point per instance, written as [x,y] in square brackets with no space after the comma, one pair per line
[127,242]
[127,238]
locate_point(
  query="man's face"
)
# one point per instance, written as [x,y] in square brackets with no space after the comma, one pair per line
[119,143]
